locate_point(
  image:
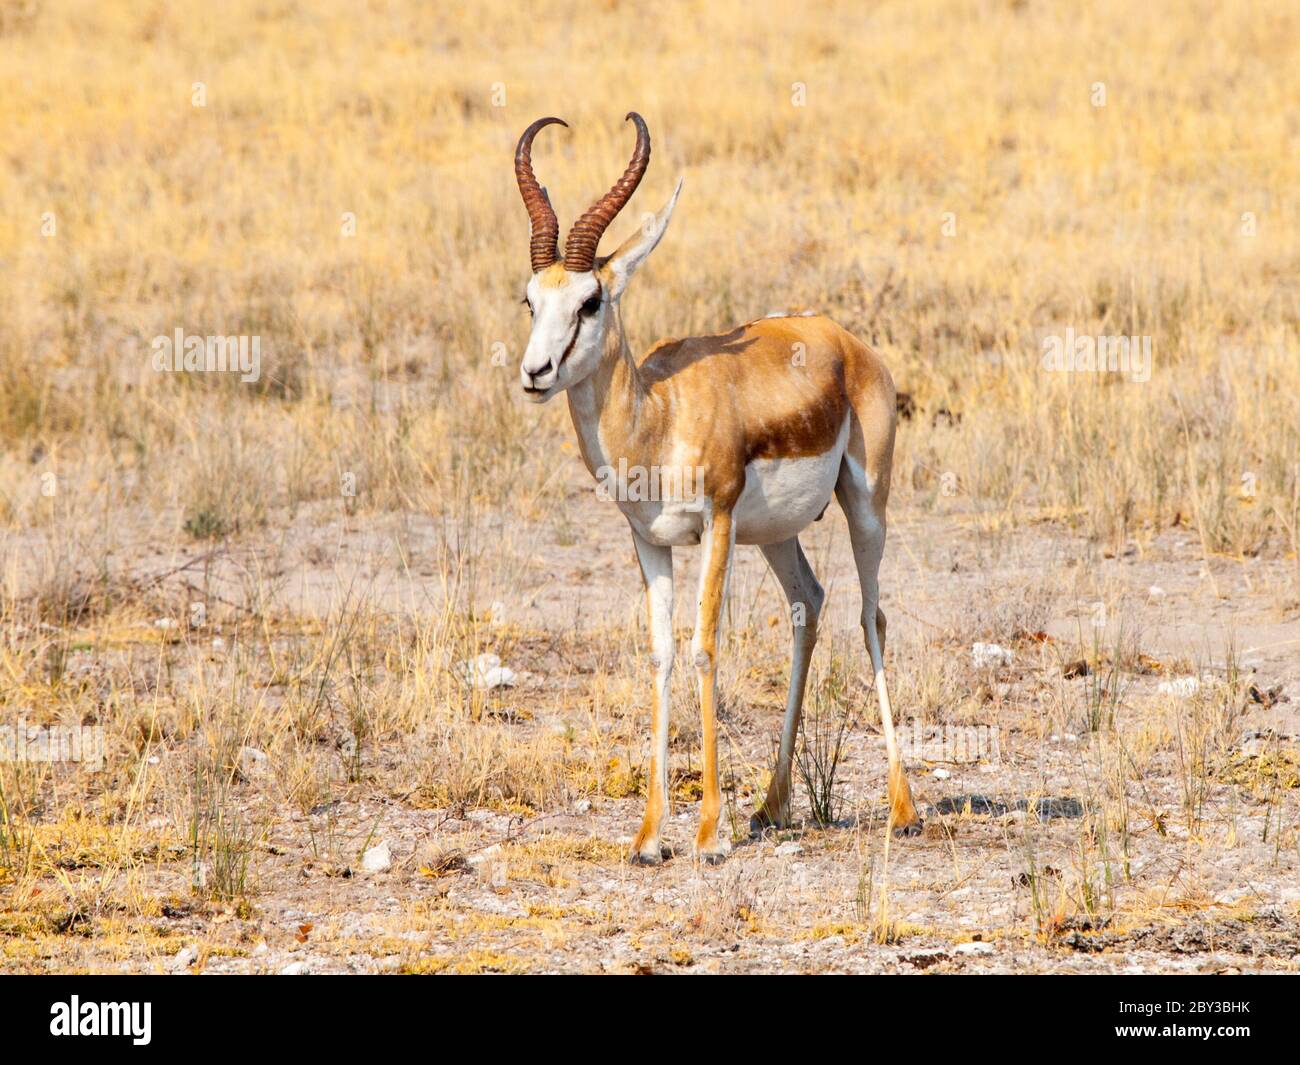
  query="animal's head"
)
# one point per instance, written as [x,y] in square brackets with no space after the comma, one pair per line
[572,298]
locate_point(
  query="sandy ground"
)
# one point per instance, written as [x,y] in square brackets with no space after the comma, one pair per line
[1128,878]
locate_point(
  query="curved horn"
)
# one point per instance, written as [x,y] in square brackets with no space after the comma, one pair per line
[580,247]
[544,230]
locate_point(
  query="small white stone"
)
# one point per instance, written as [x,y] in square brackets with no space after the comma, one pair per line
[490,870]
[164,623]
[991,654]
[377,859]
[1182,686]
[182,959]
[253,763]
[582,806]
[973,948]
[1156,592]
[789,850]
[486,854]
[295,968]
[486,672]
[941,774]
[489,866]
[500,677]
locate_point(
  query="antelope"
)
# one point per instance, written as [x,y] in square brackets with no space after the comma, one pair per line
[775,416]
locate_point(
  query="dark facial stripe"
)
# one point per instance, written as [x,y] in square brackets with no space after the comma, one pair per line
[577,328]
[572,340]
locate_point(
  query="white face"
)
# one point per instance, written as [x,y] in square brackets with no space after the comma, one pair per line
[568,332]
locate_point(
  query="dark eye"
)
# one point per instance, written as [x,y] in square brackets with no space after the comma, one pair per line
[592,305]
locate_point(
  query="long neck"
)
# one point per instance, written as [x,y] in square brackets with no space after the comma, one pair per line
[614,397]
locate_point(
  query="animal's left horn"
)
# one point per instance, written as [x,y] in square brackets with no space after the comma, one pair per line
[543,249]
[580,247]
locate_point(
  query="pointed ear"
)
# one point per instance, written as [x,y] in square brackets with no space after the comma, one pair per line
[620,266]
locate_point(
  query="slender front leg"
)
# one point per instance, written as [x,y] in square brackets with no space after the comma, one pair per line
[720,538]
[657,572]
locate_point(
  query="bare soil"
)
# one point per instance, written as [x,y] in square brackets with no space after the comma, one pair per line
[1081,846]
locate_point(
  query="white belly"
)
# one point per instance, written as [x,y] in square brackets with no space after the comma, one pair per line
[784,496]
[781,498]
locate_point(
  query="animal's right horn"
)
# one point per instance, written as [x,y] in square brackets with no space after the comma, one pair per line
[544,230]
[580,248]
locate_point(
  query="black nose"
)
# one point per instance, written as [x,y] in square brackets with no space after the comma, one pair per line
[533,376]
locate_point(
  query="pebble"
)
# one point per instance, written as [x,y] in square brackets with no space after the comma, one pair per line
[253,763]
[489,866]
[377,859]
[1182,686]
[991,654]
[486,672]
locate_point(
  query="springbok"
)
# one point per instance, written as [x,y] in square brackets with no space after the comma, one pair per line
[763,424]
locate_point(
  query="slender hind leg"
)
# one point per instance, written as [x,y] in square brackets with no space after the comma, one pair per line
[865,509]
[805,596]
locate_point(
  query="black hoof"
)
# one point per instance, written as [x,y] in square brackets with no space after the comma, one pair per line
[637,858]
[760,822]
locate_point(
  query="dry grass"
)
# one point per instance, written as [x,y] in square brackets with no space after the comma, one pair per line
[227,218]
[326,544]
